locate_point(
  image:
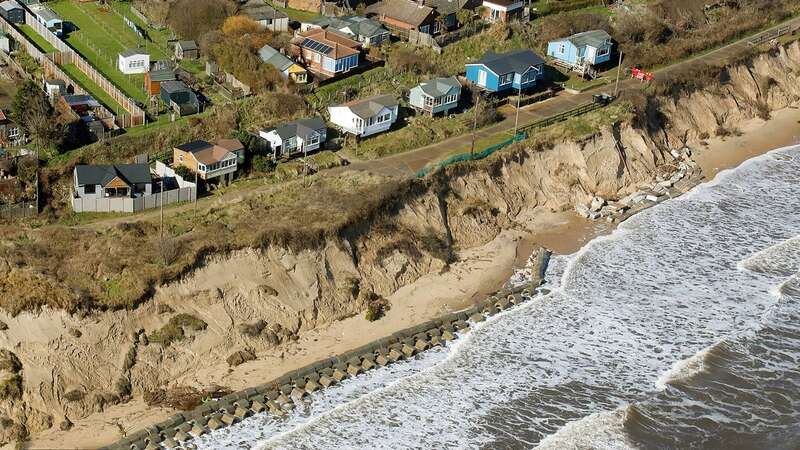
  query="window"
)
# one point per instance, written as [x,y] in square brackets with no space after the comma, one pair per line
[89,189]
[450,98]
[603,51]
[562,49]
[316,57]
[314,139]
[428,101]
[481,77]
[494,14]
[505,79]
[424,29]
[202,167]
[180,158]
[13,133]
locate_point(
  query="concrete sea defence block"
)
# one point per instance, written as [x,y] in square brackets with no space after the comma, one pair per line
[198,431]
[367,364]
[202,421]
[283,399]
[215,424]
[271,395]
[184,427]
[326,381]
[244,403]
[382,360]
[491,310]
[241,413]
[408,350]
[166,434]
[448,336]
[339,375]
[436,340]
[228,419]
[169,443]
[434,332]
[152,447]
[421,345]
[298,394]
[394,355]
[182,436]
[353,370]
[286,388]
[311,386]
[257,407]
[477,317]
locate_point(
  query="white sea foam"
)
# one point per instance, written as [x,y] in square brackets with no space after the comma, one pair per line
[626,316]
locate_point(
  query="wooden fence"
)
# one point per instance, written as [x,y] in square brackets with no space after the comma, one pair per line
[67,55]
[577,111]
[18,210]
[769,35]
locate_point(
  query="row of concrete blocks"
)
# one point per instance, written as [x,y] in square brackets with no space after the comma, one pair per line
[280,396]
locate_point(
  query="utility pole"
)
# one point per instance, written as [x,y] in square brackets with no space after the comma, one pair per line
[196,190]
[161,201]
[474,123]
[305,163]
[516,118]
[619,69]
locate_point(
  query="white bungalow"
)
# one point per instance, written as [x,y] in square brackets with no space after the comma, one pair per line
[293,138]
[367,116]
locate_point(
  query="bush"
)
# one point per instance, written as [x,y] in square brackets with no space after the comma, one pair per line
[409,61]
[377,306]
[263,164]
[173,331]
[11,387]
[184,172]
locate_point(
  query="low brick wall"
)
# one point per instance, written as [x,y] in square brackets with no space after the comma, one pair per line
[277,396]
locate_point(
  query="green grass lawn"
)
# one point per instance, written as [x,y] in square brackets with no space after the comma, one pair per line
[93,89]
[100,36]
[36,38]
[298,14]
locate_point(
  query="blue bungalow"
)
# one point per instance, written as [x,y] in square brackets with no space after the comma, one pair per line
[590,47]
[501,72]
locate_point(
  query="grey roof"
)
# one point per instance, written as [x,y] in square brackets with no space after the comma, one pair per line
[46,13]
[187,45]
[132,52]
[403,10]
[56,82]
[261,11]
[172,86]
[360,26]
[369,107]
[300,127]
[517,62]
[593,38]
[8,5]
[101,174]
[439,86]
[447,7]
[162,75]
[274,58]
[80,99]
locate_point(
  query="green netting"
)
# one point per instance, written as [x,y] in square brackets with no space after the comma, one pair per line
[471,157]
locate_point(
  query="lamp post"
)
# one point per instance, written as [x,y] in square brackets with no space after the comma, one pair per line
[619,69]
[474,123]
[516,118]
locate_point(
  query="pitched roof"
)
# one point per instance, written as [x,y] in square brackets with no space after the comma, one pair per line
[359,26]
[207,153]
[261,11]
[517,62]
[275,58]
[174,86]
[44,12]
[8,5]
[404,11]
[446,7]
[370,107]
[505,3]
[593,38]
[438,87]
[132,52]
[103,174]
[330,43]
[80,99]
[300,127]
[187,45]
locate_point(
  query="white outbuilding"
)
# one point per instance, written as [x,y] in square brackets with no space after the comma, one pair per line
[133,61]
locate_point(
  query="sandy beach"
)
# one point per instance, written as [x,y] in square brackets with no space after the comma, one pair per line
[477,272]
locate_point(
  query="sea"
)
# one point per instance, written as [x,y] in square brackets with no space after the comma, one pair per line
[680,330]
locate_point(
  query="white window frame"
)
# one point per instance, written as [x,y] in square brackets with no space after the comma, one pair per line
[603,51]
[506,79]
[562,48]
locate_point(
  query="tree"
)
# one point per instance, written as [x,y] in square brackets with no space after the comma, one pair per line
[465,17]
[441,20]
[194,18]
[236,26]
[33,113]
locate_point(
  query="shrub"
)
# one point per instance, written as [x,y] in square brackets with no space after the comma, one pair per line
[253,329]
[408,60]
[184,172]
[173,330]
[263,164]
[376,305]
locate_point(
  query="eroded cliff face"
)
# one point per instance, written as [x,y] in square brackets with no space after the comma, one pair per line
[72,366]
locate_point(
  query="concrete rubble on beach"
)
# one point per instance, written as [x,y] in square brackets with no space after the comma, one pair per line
[687,174]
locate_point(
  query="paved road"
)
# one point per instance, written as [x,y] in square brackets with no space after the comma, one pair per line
[408,163]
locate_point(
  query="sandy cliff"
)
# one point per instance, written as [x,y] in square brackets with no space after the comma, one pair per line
[67,367]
